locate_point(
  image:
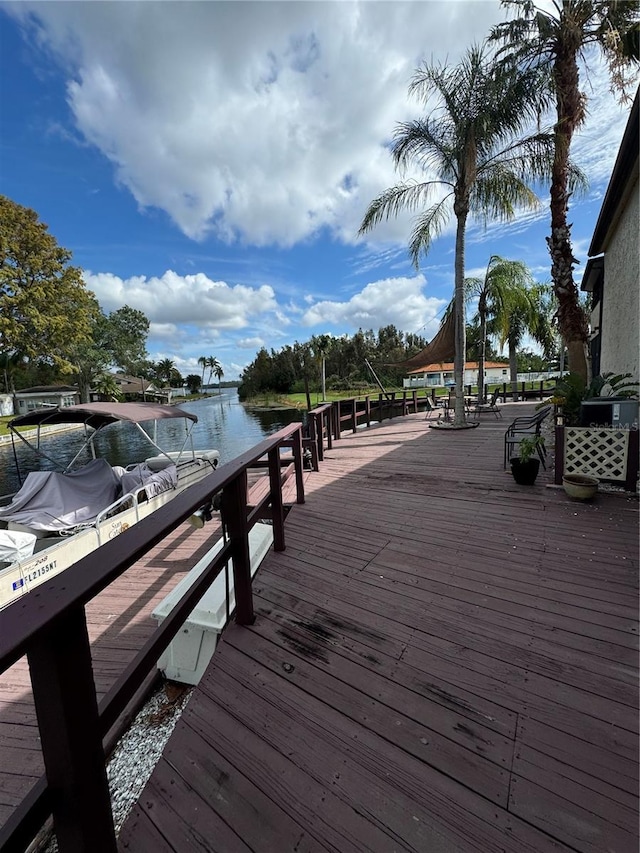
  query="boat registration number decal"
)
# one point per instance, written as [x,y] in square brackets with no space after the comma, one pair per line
[41,570]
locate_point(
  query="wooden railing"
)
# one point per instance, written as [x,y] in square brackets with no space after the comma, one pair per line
[48,625]
[329,420]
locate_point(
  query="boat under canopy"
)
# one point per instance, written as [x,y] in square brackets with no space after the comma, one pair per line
[98,415]
[57,517]
[95,417]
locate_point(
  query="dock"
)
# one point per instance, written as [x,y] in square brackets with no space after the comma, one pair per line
[441,661]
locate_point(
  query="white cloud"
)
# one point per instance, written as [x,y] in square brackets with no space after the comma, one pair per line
[190,299]
[250,343]
[397,301]
[258,121]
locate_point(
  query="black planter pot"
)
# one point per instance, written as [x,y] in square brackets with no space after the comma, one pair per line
[525,473]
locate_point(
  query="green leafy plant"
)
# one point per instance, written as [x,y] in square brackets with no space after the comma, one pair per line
[529,445]
[572,390]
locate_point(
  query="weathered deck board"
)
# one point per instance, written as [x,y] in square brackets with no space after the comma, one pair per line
[441,660]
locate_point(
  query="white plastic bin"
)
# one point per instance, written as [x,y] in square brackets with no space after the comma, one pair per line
[186,659]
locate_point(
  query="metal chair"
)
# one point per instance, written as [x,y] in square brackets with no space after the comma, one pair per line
[526,426]
[430,408]
[491,406]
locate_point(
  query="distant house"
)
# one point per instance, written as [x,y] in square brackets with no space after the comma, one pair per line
[40,396]
[612,273]
[136,388]
[434,375]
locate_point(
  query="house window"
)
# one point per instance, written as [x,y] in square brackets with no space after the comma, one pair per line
[504,372]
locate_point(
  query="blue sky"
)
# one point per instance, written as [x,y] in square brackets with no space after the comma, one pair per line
[210,163]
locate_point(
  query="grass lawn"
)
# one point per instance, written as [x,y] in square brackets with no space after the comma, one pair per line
[299,401]
[4,420]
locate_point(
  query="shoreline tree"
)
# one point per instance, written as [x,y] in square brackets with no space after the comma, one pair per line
[471,149]
[214,365]
[45,308]
[203,361]
[554,41]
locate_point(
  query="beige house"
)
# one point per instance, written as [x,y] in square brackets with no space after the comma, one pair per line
[137,388]
[612,273]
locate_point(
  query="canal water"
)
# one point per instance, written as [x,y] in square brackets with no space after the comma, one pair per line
[224,424]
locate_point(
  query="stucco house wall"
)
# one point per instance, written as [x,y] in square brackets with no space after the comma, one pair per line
[612,273]
[621,295]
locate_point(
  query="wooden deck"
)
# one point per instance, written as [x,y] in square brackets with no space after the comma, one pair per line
[441,661]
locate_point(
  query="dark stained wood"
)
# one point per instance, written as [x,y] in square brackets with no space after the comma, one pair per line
[441,661]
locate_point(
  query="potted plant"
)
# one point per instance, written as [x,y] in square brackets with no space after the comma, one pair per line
[525,467]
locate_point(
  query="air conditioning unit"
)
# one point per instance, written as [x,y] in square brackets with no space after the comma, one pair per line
[615,412]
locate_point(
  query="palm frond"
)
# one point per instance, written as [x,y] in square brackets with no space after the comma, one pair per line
[499,193]
[426,144]
[408,196]
[427,227]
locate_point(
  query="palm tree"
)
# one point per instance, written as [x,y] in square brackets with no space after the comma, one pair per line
[219,373]
[203,361]
[164,370]
[213,364]
[107,387]
[502,283]
[470,141]
[555,40]
[523,310]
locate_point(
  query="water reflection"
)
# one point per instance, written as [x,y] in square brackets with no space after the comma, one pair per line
[223,424]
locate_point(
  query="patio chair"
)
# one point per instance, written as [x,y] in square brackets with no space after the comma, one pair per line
[491,406]
[430,407]
[522,427]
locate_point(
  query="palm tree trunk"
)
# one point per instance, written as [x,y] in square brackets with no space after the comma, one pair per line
[482,311]
[458,310]
[513,369]
[572,320]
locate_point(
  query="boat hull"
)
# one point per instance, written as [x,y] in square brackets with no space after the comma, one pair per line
[21,577]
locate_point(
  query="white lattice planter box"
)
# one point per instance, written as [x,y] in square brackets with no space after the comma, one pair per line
[603,452]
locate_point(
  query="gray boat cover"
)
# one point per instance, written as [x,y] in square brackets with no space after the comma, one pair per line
[52,501]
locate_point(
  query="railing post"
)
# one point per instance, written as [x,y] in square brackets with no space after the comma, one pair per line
[66,706]
[277,509]
[631,482]
[367,408]
[316,434]
[298,460]
[327,418]
[337,413]
[354,414]
[559,455]
[234,516]
[392,404]
[415,402]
